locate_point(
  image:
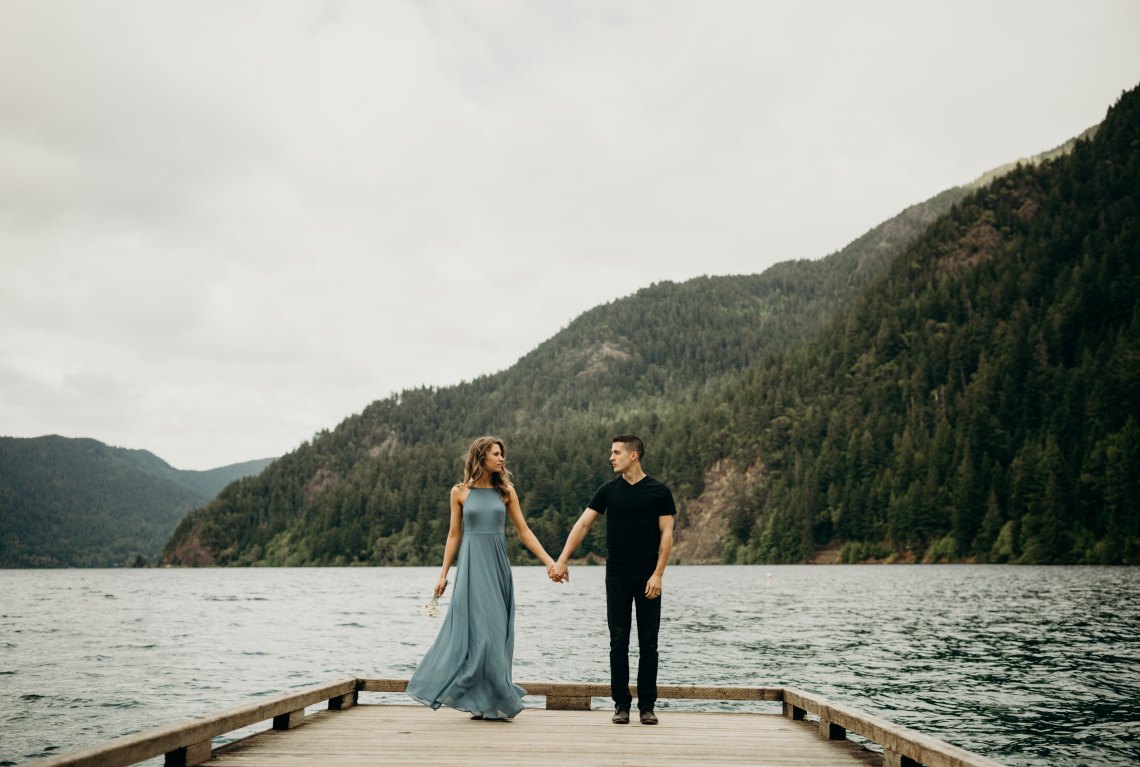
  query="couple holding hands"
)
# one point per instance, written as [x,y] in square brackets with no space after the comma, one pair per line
[469,665]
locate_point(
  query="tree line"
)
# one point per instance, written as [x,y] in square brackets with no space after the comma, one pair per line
[960,384]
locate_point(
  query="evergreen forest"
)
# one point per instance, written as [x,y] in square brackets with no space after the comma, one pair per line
[80,503]
[961,384]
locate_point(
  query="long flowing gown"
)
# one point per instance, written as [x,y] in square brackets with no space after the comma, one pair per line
[469,665]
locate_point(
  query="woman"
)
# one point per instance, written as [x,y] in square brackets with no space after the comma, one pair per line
[469,665]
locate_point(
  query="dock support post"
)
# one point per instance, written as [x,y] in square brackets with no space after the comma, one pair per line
[290,720]
[793,712]
[188,756]
[341,702]
[895,759]
[830,730]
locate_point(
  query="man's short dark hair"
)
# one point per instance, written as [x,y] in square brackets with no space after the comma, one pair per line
[635,444]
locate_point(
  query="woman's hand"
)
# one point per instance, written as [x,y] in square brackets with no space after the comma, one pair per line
[441,586]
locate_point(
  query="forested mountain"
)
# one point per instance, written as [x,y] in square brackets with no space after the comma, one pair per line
[982,398]
[374,489]
[827,405]
[80,503]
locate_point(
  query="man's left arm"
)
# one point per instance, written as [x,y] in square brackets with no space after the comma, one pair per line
[653,585]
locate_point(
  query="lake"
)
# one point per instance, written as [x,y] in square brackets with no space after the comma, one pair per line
[1026,665]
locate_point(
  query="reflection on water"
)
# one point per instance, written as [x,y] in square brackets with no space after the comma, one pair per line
[1029,666]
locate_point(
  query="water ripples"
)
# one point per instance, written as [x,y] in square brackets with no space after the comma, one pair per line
[1030,666]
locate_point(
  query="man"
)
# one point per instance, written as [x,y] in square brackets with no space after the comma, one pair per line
[639,513]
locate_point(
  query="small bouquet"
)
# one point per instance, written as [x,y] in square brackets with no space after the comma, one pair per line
[432,605]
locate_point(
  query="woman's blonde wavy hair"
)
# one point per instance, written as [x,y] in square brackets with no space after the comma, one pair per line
[473,470]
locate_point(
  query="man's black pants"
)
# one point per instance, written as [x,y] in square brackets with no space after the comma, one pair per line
[623,592]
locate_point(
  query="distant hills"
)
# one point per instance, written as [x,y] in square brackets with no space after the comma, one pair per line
[374,489]
[962,383]
[940,390]
[80,503]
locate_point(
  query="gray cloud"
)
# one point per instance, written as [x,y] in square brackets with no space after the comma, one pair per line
[226,226]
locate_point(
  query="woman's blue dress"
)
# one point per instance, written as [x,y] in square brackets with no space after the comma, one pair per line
[469,665]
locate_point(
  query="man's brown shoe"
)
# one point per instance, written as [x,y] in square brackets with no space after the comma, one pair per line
[648,717]
[621,716]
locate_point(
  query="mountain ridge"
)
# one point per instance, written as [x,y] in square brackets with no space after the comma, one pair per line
[67,502]
[980,401]
[344,497]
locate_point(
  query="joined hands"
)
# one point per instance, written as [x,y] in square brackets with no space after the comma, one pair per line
[558,572]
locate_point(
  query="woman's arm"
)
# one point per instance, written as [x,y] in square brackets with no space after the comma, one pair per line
[454,535]
[526,536]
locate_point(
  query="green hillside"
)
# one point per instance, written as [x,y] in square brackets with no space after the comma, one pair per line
[982,399]
[933,391]
[371,490]
[79,503]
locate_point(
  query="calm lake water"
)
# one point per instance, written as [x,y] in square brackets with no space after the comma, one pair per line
[1027,665]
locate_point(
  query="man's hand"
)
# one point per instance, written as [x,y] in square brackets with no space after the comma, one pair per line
[558,572]
[653,587]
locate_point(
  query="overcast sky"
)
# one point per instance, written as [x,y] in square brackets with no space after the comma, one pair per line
[226,225]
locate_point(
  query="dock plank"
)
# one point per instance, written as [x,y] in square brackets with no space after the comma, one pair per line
[388,734]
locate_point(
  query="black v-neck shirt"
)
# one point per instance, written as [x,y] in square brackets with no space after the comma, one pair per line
[632,532]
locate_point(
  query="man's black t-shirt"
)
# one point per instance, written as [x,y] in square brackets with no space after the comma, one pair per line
[632,530]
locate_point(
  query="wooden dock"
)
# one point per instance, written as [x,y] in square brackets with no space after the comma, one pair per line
[415,736]
[810,731]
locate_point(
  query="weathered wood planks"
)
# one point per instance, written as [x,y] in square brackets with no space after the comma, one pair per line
[390,735]
[902,746]
[188,744]
[568,727]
